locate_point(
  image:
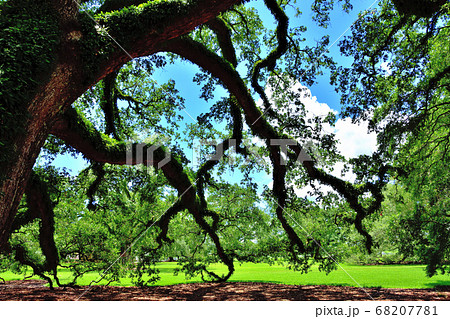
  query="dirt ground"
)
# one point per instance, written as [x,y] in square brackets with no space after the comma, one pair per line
[35,290]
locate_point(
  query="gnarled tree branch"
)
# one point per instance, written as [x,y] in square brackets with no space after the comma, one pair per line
[79,133]
[218,67]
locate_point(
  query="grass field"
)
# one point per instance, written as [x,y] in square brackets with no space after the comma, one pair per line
[388,276]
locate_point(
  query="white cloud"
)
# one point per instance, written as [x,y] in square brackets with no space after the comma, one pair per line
[353,138]
[386,67]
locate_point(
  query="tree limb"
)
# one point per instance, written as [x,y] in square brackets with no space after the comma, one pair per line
[139,31]
[223,34]
[270,61]
[79,133]
[108,104]
[230,78]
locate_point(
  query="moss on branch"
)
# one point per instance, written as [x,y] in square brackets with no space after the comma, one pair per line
[114,5]
[78,132]
[108,104]
[223,34]
[133,21]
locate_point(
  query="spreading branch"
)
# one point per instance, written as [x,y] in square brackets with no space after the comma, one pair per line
[79,133]
[230,78]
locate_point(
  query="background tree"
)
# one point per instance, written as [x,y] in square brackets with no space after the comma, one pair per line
[400,81]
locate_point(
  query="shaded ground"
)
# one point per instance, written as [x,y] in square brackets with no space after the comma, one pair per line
[35,290]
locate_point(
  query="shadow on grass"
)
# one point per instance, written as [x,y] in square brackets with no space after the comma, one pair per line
[439,284]
[165,270]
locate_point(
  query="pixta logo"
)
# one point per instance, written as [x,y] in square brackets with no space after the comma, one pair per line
[152,152]
[155,152]
[200,151]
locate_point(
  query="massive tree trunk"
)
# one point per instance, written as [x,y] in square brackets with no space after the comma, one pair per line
[72,73]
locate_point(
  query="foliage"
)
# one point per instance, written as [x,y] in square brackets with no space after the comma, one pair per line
[410,116]
[29,35]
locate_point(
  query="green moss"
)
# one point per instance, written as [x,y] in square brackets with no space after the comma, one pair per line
[29,34]
[96,47]
[137,20]
[102,142]
[125,26]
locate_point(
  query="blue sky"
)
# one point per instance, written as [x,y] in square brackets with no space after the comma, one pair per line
[183,72]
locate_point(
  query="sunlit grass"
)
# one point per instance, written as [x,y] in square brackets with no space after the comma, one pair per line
[389,276]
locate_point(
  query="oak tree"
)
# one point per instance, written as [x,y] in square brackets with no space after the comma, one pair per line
[63,59]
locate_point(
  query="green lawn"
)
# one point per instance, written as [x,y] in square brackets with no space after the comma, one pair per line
[389,276]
